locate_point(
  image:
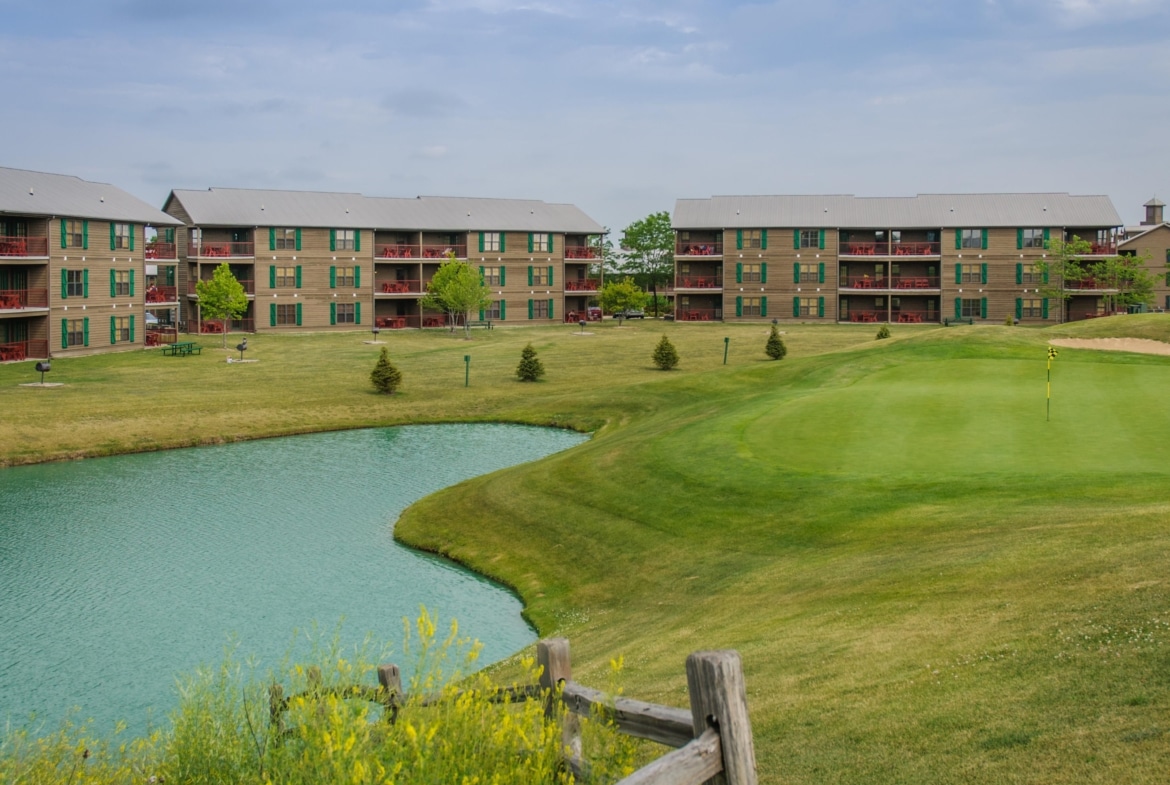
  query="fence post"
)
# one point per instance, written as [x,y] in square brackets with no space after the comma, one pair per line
[552,654]
[391,680]
[719,700]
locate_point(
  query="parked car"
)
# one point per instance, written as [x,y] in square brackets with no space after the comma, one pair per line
[630,313]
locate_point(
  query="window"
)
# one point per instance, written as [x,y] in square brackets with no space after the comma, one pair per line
[285,240]
[540,309]
[196,238]
[752,238]
[810,238]
[751,273]
[540,276]
[286,314]
[345,313]
[121,239]
[1030,273]
[970,238]
[970,273]
[1032,308]
[1031,238]
[493,276]
[809,273]
[75,283]
[74,234]
[751,306]
[119,328]
[121,281]
[343,240]
[75,332]
[286,277]
[971,308]
[494,311]
[807,306]
[490,241]
[540,243]
[345,276]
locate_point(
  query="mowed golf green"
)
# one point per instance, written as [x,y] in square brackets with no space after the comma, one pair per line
[927,581]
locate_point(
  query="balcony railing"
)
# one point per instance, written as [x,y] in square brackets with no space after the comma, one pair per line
[1089,285]
[249,286]
[915,317]
[399,287]
[208,249]
[692,282]
[162,294]
[866,316]
[581,252]
[900,282]
[441,251]
[157,335]
[397,252]
[24,246]
[421,251]
[697,315]
[692,248]
[583,285]
[916,282]
[16,351]
[18,299]
[891,249]
[590,314]
[865,282]
[161,251]
[1103,249]
[236,325]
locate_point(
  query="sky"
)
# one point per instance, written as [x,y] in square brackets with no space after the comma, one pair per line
[618,106]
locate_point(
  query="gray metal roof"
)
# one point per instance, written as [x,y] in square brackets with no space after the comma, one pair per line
[925,211]
[59,195]
[251,207]
[1137,232]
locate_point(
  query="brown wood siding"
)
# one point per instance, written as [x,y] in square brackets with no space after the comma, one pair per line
[780,288]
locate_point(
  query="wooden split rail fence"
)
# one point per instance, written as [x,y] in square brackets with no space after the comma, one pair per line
[712,740]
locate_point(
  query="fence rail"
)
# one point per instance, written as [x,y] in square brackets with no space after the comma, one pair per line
[159,250]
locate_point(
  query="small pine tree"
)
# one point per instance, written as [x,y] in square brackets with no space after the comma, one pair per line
[883,333]
[530,368]
[775,347]
[665,355]
[385,377]
[1009,321]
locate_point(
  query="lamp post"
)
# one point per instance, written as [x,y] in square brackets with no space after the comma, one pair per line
[726,344]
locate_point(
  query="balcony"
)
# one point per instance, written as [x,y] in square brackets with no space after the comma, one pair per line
[19,299]
[249,287]
[24,246]
[1089,285]
[698,315]
[23,350]
[1108,248]
[691,282]
[399,287]
[850,248]
[915,317]
[223,250]
[581,252]
[157,250]
[215,326]
[440,251]
[583,285]
[397,252]
[696,248]
[899,282]
[158,335]
[866,316]
[162,294]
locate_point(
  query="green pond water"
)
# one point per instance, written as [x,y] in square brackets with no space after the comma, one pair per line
[118,574]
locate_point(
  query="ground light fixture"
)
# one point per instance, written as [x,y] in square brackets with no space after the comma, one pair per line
[43,367]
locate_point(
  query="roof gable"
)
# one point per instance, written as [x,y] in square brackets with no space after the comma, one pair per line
[57,195]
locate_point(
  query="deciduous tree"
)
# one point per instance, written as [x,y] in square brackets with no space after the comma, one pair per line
[222,298]
[457,289]
[620,296]
[648,252]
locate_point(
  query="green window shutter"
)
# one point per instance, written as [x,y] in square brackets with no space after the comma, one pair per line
[357,277]
[113,329]
[739,306]
[1019,308]
[763,272]
[113,283]
[482,278]
[113,239]
[503,238]
[530,277]
[821,240]
[982,307]
[85,284]
[958,272]
[796,272]
[550,242]
[85,331]
[1044,307]
[332,239]
[763,306]
[958,307]
[271,238]
[298,240]
[481,314]
[820,306]
[332,277]
[739,239]
[739,272]
[550,275]
[1019,273]
[131,281]
[85,235]
[333,313]
[298,314]
[983,273]
[357,240]
[64,284]
[1045,275]
[502,276]
[821,272]
[763,239]
[796,241]
[298,281]
[503,310]
[272,314]
[272,276]
[170,235]
[551,315]
[796,306]
[131,328]
[958,239]
[1046,238]
[530,309]
[1019,239]
[984,239]
[64,230]
[64,332]
[481,242]
[131,237]
[531,242]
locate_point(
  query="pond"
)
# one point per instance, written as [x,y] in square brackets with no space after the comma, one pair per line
[118,574]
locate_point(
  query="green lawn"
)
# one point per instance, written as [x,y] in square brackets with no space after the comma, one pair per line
[927,581]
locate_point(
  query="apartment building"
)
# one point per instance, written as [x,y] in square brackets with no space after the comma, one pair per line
[1151,239]
[323,261]
[927,258]
[84,267]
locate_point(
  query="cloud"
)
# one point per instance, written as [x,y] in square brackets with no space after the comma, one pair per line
[432,152]
[422,103]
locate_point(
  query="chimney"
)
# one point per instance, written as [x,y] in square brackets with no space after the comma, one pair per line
[1153,212]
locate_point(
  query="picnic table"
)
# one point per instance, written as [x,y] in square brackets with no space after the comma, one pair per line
[182,349]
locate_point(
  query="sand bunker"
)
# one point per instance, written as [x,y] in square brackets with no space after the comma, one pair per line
[1138,345]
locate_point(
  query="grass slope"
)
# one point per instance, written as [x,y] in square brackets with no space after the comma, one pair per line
[927,582]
